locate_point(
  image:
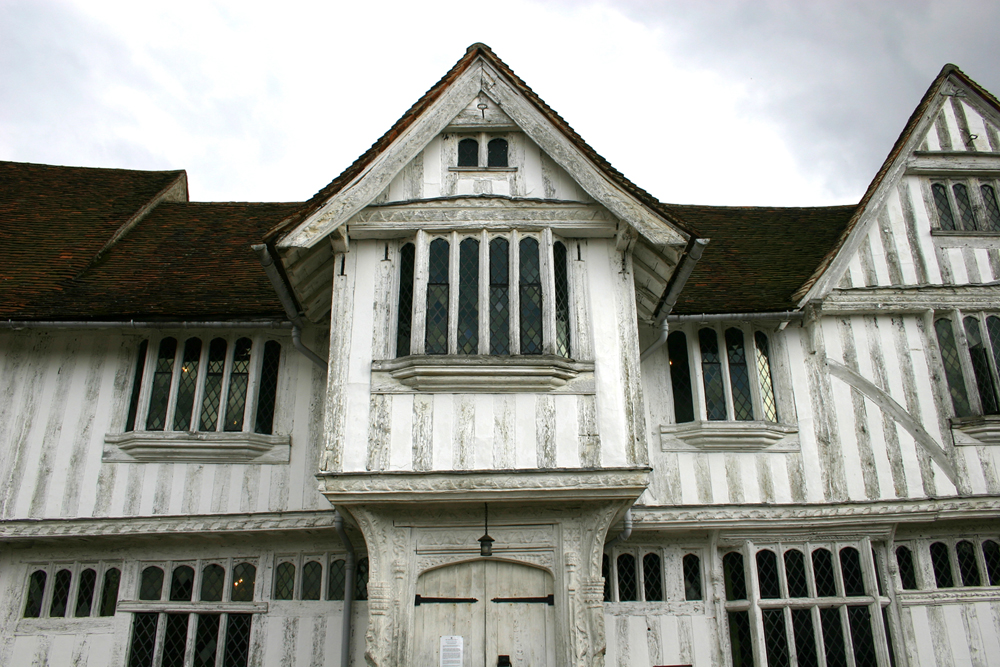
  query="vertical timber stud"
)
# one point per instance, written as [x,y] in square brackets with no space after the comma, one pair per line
[418,330]
[484,292]
[453,291]
[548,292]
[514,292]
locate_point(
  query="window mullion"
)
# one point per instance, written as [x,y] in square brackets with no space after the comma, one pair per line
[548,279]
[756,618]
[727,387]
[750,352]
[991,360]
[168,423]
[142,410]
[220,638]
[418,327]
[697,371]
[484,292]
[253,378]
[191,630]
[199,386]
[453,289]
[161,633]
[965,360]
[514,290]
[227,373]
[870,566]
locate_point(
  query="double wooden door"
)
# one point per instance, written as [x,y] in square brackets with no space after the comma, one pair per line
[498,608]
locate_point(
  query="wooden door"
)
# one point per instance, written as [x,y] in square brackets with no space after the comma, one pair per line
[498,608]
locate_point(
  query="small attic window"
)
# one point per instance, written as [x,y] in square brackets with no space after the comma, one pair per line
[468,153]
[497,153]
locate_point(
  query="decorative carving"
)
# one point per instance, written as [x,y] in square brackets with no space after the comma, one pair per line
[979,430]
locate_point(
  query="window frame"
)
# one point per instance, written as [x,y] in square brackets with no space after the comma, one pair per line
[326,560]
[873,571]
[969,379]
[923,565]
[76,569]
[979,213]
[418,319]
[483,140]
[672,579]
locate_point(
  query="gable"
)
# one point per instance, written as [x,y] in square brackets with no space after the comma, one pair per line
[895,238]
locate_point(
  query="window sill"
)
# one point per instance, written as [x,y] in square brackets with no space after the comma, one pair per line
[189,607]
[93,625]
[492,169]
[482,374]
[962,233]
[195,447]
[977,430]
[729,436]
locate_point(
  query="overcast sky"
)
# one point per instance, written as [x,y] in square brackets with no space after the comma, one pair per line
[711,102]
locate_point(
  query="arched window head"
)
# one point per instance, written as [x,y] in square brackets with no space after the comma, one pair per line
[496,153]
[468,153]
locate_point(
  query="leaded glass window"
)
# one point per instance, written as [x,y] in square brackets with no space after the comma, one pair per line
[312,580]
[143,644]
[991,209]
[187,384]
[244,579]
[981,366]
[711,369]
[968,565]
[692,577]
[826,583]
[764,378]
[680,377]
[206,639]
[496,153]
[530,284]
[559,268]
[652,573]
[175,640]
[239,379]
[795,574]
[952,366]
[404,316]
[133,405]
[943,206]
[151,583]
[36,591]
[468,153]
[213,581]
[739,376]
[109,591]
[767,574]
[964,206]
[907,573]
[267,391]
[60,593]
[182,583]
[468,297]
[436,340]
[337,580]
[991,556]
[628,578]
[942,565]
[213,384]
[969,205]
[499,296]
[156,418]
[850,569]
[85,592]
[284,581]
[361,580]
[735,576]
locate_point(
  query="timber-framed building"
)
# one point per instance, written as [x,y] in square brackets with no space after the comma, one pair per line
[484,401]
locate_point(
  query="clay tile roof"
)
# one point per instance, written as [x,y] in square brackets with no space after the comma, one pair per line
[757,257]
[185,261]
[54,221]
[428,98]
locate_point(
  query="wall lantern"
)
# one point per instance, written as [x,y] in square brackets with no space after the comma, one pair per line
[486,542]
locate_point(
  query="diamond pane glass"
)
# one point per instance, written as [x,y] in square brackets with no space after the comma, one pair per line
[826,585]
[968,566]
[468,153]
[628,589]
[850,569]
[213,581]
[531,298]
[496,153]
[151,584]
[109,591]
[680,377]
[964,206]
[740,638]
[206,640]
[560,269]
[805,637]
[436,341]
[942,565]
[775,638]
[361,580]
[952,367]
[338,577]
[991,554]
[943,206]
[499,296]
[692,577]
[907,573]
[187,382]
[711,368]
[981,366]
[239,378]
[143,642]
[767,574]
[182,584]
[284,581]
[606,573]
[652,575]
[833,636]
[312,580]
[735,576]
[992,210]
[133,404]
[795,574]
[159,395]
[404,316]
[237,640]
[175,640]
[468,297]
[213,385]
[60,593]
[244,578]
[739,375]
[763,360]
[36,590]
[862,637]
[267,387]
[85,593]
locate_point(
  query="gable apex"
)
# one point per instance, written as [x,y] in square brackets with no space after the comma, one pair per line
[480,83]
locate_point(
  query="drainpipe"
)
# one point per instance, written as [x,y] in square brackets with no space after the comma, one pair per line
[626,531]
[349,575]
[677,282]
[285,297]
[658,343]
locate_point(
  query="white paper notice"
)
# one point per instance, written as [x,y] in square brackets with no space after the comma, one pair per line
[451,651]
